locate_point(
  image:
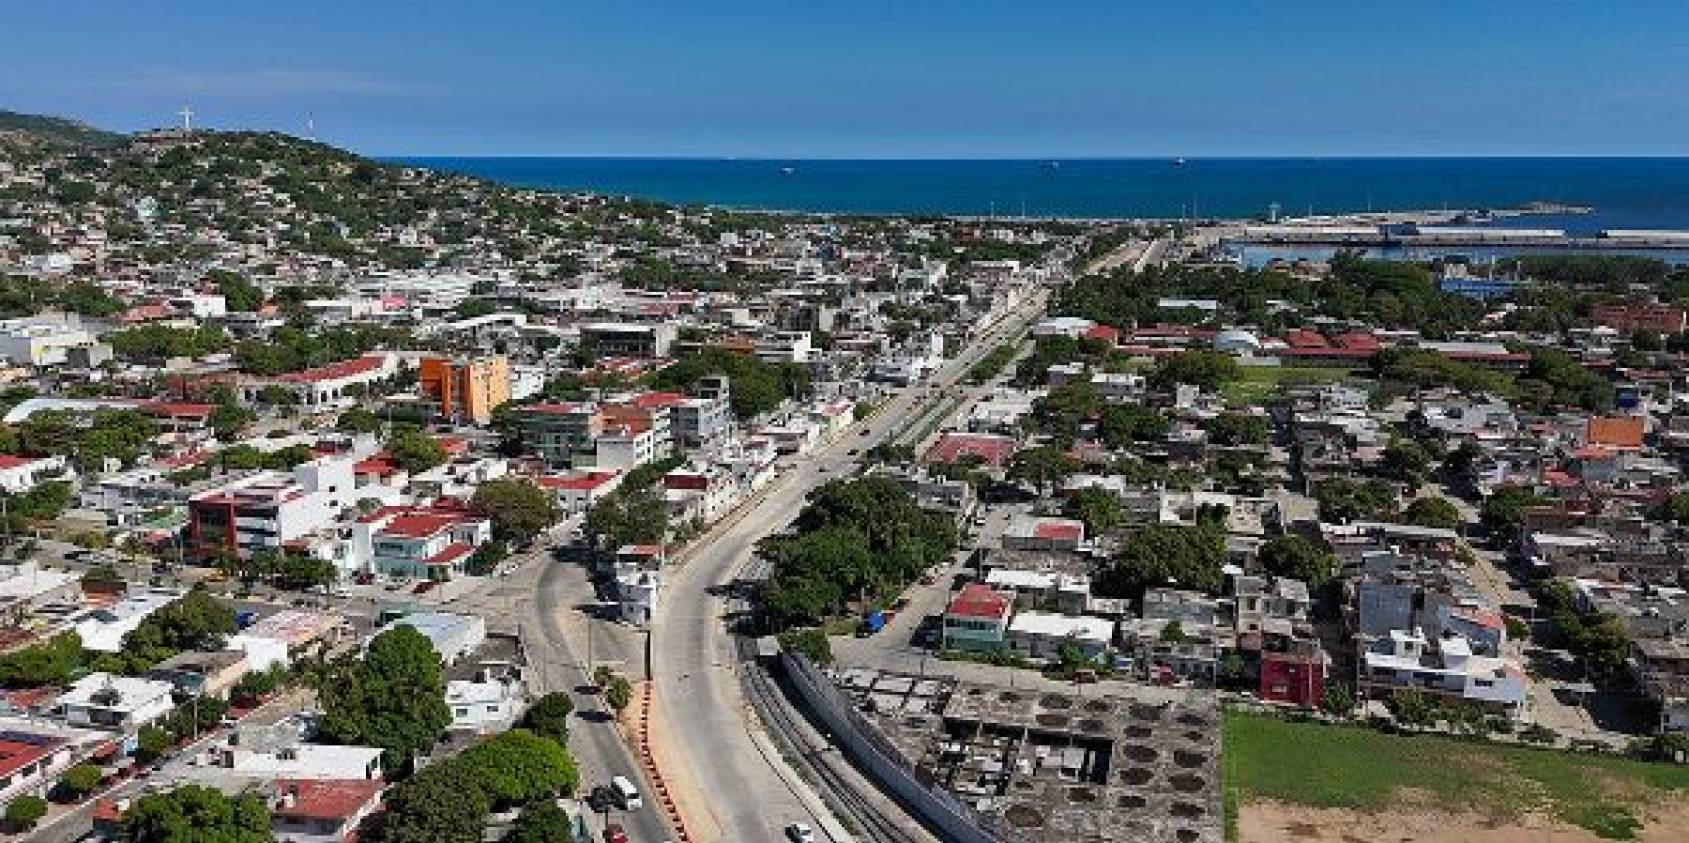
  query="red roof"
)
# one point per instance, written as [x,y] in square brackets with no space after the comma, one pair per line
[452,553]
[20,749]
[1358,340]
[324,799]
[11,461]
[577,482]
[652,400]
[1301,338]
[1059,530]
[335,371]
[378,465]
[418,525]
[1623,432]
[995,450]
[1106,333]
[978,600]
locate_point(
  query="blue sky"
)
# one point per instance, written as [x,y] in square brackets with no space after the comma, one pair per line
[918,78]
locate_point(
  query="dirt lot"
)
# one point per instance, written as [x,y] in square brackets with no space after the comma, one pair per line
[1271,822]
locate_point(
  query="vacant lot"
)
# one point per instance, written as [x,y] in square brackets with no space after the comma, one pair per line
[1255,384]
[1351,769]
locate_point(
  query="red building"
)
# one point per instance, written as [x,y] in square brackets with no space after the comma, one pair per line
[1296,677]
[1629,318]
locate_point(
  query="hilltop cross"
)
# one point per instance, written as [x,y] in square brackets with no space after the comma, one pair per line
[187,119]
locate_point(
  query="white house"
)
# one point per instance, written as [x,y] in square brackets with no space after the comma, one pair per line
[114,703]
[20,474]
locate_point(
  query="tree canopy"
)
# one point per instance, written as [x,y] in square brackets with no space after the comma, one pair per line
[1166,555]
[519,510]
[393,698]
[197,814]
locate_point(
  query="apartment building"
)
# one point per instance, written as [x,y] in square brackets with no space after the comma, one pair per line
[465,390]
[268,509]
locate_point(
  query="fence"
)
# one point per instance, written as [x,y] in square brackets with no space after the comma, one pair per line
[940,810]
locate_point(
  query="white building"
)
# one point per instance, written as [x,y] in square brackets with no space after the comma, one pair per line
[47,340]
[489,703]
[1447,668]
[20,474]
[453,636]
[327,385]
[33,754]
[1041,635]
[114,703]
[267,509]
[102,629]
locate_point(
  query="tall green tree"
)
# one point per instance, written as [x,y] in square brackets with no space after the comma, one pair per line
[197,814]
[394,698]
[519,510]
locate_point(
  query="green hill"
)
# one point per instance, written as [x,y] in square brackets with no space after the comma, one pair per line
[57,129]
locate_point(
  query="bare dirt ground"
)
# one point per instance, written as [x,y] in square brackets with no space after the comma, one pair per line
[1270,822]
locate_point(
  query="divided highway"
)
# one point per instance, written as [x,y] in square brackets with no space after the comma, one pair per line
[731,785]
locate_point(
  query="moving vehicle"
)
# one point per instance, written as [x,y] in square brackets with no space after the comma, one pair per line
[800,833]
[626,793]
[614,833]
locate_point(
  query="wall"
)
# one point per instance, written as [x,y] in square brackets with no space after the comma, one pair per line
[884,763]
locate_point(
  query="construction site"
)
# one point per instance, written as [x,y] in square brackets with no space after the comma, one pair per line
[1057,765]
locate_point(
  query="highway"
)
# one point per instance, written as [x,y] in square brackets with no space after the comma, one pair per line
[729,786]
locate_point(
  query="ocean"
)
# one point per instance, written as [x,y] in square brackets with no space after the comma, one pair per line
[1623,192]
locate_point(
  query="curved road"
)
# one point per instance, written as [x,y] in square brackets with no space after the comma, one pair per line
[730,786]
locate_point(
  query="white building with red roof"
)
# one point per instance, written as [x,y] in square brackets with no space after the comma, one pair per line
[417,542]
[20,474]
[576,492]
[977,618]
[327,385]
[322,810]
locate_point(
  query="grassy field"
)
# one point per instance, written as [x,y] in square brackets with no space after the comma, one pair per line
[1255,384]
[1355,767]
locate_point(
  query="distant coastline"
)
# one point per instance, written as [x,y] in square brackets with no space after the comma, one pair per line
[1577,194]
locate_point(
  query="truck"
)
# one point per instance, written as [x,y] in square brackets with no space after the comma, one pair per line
[873,622]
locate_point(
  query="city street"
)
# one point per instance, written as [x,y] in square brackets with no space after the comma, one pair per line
[702,737]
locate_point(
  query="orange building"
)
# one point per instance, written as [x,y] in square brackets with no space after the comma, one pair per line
[466,390]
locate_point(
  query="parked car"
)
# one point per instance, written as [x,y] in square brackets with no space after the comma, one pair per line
[614,833]
[800,833]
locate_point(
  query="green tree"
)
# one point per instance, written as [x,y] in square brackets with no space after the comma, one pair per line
[227,420]
[1343,500]
[23,812]
[619,694]
[445,803]
[412,449]
[394,698]
[519,767]
[1061,412]
[486,558]
[1433,512]
[1298,557]
[1168,555]
[195,621]
[56,661]
[1122,425]
[239,295]
[811,641]
[542,822]
[80,780]
[1338,699]
[1202,368]
[1239,429]
[151,743]
[1407,462]
[549,716]
[358,420]
[1099,508]
[1504,511]
[1414,708]
[519,510]
[1044,467]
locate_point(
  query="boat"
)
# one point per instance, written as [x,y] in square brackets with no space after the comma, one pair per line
[1178,162]
[786,171]
[1051,165]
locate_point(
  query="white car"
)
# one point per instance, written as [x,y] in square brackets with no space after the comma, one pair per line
[800,833]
